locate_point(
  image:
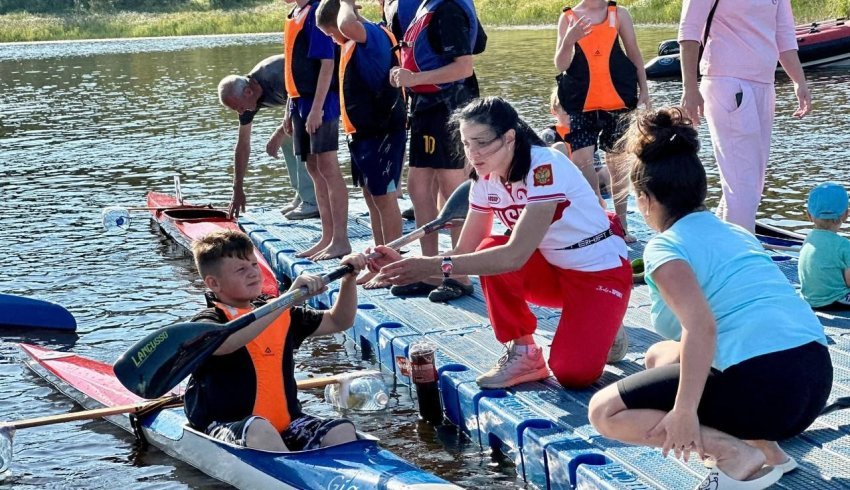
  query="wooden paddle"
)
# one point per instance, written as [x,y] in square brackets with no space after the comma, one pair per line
[7,429]
[158,362]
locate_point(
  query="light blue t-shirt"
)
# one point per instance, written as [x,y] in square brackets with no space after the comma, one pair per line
[756,309]
[824,257]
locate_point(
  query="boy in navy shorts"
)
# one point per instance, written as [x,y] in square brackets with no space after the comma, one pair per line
[373,114]
[313,118]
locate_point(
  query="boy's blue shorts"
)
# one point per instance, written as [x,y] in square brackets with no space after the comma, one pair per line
[376,162]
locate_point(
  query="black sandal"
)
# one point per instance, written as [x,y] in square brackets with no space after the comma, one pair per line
[413,289]
[450,289]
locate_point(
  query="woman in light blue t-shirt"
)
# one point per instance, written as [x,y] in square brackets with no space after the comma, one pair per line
[746,362]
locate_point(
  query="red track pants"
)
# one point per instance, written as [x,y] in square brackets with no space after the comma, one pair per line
[593,305]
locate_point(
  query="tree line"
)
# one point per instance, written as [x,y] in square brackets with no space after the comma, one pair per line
[103,6]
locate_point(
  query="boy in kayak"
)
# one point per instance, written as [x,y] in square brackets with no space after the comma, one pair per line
[374,114]
[246,392]
[824,266]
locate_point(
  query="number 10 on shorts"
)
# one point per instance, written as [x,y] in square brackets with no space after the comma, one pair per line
[430,144]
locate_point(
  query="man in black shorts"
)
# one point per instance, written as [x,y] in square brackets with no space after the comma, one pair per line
[439,74]
[264,87]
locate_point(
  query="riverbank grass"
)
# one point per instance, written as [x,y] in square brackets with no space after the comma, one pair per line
[199,18]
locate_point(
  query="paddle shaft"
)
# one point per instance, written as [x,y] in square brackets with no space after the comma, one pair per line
[165,402]
[770,246]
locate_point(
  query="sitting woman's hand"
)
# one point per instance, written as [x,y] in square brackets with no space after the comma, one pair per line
[388,256]
[681,433]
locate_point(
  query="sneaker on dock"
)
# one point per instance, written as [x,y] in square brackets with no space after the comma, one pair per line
[305,210]
[620,347]
[292,205]
[520,364]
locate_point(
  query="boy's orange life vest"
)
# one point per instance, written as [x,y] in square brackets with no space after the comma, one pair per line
[361,108]
[600,76]
[266,352]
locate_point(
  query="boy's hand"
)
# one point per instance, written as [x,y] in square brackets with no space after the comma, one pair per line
[388,256]
[314,120]
[356,261]
[400,77]
[312,282]
[287,124]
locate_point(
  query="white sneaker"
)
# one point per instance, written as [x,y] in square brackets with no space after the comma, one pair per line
[303,211]
[520,364]
[620,347]
[292,205]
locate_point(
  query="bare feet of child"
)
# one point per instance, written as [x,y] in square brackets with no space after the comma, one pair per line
[629,238]
[333,251]
[365,277]
[315,249]
[374,283]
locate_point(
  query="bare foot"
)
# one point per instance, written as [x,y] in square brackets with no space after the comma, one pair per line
[333,251]
[629,238]
[366,277]
[773,454]
[313,250]
[376,284]
[742,462]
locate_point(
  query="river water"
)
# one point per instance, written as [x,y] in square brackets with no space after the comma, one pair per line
[85,125]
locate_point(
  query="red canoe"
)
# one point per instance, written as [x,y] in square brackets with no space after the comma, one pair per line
[187,222]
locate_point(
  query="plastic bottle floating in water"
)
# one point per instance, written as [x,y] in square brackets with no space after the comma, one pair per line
[116,219]
[366,393]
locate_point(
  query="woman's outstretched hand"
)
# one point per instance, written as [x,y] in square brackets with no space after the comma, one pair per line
[408,271]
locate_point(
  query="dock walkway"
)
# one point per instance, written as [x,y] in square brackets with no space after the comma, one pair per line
[541,425]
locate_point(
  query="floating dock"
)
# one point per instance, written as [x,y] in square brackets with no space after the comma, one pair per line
[542,426]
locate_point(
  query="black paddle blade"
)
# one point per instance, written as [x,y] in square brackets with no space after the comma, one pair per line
[160,361]
[457,205]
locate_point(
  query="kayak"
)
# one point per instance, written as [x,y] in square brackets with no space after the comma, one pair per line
[818,43]
[187,222]
[21,312]
[773,235]
[360,464]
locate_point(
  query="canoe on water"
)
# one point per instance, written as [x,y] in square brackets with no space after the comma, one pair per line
[22,312]
[361,464]
[773,235]
[187,222]
[819,43]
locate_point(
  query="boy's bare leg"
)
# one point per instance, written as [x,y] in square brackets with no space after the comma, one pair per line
[339,245]
[619,189]
[323,201]
[389,217]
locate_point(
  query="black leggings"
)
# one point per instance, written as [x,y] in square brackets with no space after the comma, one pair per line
[772,397]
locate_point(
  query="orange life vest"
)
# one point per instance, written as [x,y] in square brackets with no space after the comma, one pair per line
[301,73]
[600,76]
[363,110]
[266,352]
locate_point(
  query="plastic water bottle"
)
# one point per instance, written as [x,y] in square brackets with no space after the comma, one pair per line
[116,219]
[367,393]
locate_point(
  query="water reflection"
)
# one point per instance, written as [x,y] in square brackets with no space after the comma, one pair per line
[90,124]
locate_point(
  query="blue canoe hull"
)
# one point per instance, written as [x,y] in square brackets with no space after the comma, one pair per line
[21,312]
[361,464]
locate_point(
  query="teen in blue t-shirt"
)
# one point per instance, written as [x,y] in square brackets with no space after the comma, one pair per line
[747,359]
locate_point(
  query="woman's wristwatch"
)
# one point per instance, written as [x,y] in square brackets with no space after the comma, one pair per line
[447,266]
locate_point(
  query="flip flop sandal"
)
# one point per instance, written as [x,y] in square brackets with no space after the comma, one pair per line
[413,289]
[450,289]
[718,480]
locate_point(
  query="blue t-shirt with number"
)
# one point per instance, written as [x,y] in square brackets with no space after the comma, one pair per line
[756,309]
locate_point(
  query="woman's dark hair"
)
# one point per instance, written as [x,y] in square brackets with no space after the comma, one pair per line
[501,117]
[667,166]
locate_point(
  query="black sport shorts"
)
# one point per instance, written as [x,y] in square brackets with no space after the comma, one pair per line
[772,397]
[431,142]
[597,128]
[326,138]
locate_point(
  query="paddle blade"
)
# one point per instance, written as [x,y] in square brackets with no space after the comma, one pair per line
[18,311]
[116,219]
[160,361]
[457,205]
[6,433]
